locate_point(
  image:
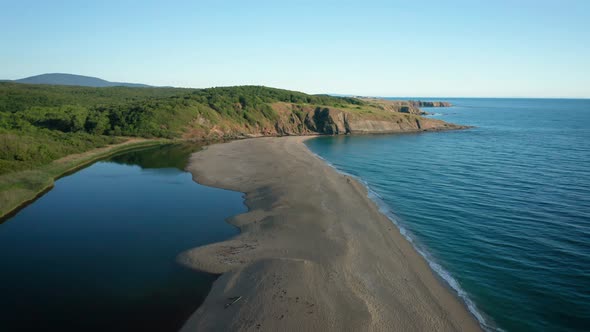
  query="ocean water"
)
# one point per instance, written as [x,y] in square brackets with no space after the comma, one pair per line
[97,252]
[501,211]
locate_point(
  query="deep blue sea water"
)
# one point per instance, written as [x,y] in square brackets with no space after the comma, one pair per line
[97,252]
[501,211]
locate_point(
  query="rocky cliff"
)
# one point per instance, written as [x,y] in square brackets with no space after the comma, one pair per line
[420,103]
[404,106]
[298,120]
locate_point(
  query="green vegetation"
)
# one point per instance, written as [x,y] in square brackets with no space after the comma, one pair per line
[18,188]
[42,123]
[24,149]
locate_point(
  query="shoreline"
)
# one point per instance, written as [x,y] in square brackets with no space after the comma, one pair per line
[441,273]
[314,252]
[15,195]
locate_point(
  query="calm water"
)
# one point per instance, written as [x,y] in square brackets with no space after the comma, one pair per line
[97,253]
[502,211]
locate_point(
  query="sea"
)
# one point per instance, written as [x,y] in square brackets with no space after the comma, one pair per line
[500,211]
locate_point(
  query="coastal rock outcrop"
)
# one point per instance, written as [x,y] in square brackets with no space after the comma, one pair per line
[386,116]
[333,121]
[420,103]
[405,106]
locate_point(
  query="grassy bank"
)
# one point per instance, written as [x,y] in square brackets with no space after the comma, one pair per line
[17,189]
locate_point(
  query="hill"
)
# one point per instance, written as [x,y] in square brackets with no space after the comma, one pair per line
[42,123]
[76,80]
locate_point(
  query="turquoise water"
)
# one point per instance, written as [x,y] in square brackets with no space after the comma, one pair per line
[97,252]
[501,211]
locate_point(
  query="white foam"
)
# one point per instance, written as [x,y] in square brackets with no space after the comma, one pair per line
[436,267]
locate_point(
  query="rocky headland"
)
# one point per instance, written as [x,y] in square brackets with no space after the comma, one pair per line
[404,106]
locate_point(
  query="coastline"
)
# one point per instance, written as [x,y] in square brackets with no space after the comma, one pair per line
[446,278]
[19,189]
[314,251]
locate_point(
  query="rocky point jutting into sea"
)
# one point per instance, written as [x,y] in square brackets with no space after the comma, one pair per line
[374,116]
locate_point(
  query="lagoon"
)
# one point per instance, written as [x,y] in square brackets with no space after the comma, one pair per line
[98,251]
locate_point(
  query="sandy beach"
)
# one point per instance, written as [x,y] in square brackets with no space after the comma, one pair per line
[314,252]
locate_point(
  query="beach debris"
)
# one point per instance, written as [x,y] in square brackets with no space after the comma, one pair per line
[232,301]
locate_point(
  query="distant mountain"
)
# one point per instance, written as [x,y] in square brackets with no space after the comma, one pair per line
[70,79]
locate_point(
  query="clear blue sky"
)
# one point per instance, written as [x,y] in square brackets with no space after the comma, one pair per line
[516,48]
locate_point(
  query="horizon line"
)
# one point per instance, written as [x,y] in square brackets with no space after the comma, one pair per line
[330,94]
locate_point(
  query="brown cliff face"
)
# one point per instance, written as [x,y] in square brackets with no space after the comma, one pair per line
[405,106]
[334,121]
[399,106]
[420,103]
[297,119]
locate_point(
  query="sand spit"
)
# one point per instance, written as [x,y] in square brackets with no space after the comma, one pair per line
[314,253]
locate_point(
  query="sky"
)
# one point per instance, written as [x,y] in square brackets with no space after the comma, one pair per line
[475,48]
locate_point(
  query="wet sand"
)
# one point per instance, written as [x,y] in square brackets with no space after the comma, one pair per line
[314,252]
